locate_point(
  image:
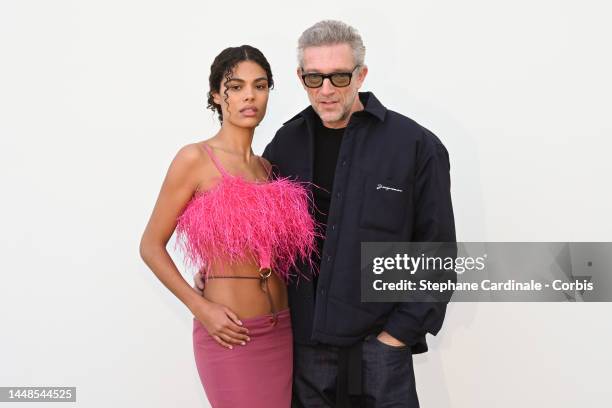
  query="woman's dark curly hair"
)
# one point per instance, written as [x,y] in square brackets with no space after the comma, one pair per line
[223,67]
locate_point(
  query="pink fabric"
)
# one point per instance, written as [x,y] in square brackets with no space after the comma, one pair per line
[268,221]
[257,375]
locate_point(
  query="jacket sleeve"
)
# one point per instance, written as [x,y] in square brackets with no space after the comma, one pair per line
[409,322]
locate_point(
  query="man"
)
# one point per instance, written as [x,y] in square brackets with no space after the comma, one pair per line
[380,177]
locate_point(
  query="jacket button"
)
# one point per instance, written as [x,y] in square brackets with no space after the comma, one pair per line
[329,258]
[344,162]
[322,291]
[339,194]
[333,227]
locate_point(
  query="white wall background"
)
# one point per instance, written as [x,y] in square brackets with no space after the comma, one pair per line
[96,97]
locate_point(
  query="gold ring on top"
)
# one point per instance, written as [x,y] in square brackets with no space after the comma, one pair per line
[265,275]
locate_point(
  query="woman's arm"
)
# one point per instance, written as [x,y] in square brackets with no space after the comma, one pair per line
[176,190]
[182,180]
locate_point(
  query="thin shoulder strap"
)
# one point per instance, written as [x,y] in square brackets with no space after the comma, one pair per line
[263,164]
[215,160]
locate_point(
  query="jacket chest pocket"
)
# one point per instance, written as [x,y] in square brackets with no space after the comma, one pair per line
[386,203]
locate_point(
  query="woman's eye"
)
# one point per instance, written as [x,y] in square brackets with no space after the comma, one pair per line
[235,87]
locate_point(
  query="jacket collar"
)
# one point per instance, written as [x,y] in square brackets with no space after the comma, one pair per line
[370,103]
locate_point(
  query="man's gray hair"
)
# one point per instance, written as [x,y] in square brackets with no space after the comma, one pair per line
[329,32]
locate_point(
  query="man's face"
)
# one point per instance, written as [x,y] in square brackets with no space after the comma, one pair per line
[333,104]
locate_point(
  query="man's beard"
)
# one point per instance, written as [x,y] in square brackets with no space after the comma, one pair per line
[337,117]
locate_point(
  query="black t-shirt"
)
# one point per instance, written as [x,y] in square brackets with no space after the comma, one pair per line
[326,148]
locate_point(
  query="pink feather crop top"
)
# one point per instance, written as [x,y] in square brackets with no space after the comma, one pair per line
[239,219]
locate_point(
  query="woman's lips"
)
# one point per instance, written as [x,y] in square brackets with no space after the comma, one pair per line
[249,112]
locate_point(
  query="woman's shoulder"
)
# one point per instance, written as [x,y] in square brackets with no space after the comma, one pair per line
[193,155]
[193,162]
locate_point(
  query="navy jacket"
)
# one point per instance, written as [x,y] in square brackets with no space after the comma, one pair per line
[379,147]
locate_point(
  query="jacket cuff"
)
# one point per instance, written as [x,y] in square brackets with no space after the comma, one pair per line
[402,326]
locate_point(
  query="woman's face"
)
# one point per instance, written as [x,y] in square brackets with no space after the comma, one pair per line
[247,95]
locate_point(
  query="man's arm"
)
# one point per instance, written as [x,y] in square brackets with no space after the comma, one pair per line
[433,222]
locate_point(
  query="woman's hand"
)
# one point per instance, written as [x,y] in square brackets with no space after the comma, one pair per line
[221,323]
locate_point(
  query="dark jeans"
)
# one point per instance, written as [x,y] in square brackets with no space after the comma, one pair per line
[387,376]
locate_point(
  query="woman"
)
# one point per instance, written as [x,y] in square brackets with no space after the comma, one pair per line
[244,232]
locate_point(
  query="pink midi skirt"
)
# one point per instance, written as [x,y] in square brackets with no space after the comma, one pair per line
[257,375]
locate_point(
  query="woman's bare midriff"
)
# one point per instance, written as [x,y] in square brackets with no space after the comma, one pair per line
[245,297]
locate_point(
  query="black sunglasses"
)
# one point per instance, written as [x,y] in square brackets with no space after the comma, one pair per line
[338,79]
